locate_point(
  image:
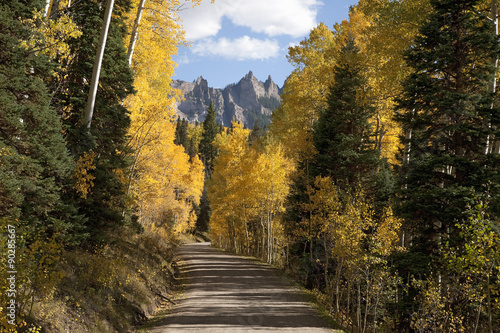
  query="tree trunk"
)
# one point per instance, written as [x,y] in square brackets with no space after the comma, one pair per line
[338,275]
[367,300]
[492,143]
[246,229]
[89,109]
[135,32]
[358,310]
[490,316]
[47,7]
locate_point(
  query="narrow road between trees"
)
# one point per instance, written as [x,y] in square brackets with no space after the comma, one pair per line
[228,293]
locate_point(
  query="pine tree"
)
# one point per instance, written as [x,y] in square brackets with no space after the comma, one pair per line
[108,135]
[177,139]
[34,163]
[208,154]
[192,149]
[347,155]
[443,111]
[256,133]
[342,135]
[205,212]
[210,130]
[181,133]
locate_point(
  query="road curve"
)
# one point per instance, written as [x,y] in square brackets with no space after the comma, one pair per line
[228,293]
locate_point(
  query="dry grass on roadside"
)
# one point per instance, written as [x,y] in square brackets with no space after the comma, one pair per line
[111,289]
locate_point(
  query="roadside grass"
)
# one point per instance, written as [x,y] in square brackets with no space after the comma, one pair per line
[316,299]
[166,307]
[177,292]
[111,289]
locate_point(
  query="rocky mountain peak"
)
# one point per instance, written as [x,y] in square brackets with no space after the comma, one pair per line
[250,76]
[201,81]
[248,101]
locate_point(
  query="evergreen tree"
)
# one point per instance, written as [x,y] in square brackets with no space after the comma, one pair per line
[34,163]
[346,153]
[181,133]
[342,135]
[192,149]
[444,111]
[204,214]
[177,139]
[256,133]
[210,130]
[107,137]
[445,104]
[208,154]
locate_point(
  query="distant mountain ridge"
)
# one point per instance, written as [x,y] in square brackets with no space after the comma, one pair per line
[248,101]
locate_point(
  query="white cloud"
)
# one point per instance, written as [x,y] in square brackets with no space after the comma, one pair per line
[184,60]
[202,21]
[243,48]
[272,17]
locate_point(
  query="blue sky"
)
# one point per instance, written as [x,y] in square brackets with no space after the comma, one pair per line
[231,37]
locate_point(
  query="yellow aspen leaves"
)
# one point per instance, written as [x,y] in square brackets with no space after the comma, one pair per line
[305,92]
[162,179]
[83,175]
[49,35]
[247,193]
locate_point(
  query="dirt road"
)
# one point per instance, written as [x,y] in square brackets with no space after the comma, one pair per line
[227,293]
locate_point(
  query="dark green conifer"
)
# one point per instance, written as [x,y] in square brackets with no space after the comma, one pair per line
[108,135]
[177,138]
[181,133]
[204,214]
[210,130]
[256,133]
[444,110]
[192,150]
[342,135]
[34,162]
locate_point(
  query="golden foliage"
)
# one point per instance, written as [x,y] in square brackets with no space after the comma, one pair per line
[305,92]
[34,268]
[162,179]
[49,35]
[83,176]
[247,193]
[433,314]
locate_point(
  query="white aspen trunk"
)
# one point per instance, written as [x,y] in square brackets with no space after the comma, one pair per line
[491,142]
[47,7]
[89,109]
[273,239]
[407,148]
[246,228]
[234,237]
[358,310]
[263,235]
[367,300]
[338,275]
[135,32]
[268,232]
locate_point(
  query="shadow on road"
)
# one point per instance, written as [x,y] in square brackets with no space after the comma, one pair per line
[228,293]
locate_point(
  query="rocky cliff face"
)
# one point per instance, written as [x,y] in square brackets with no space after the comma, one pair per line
[247,101]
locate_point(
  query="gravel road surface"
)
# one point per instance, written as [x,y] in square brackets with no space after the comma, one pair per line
[228,293]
